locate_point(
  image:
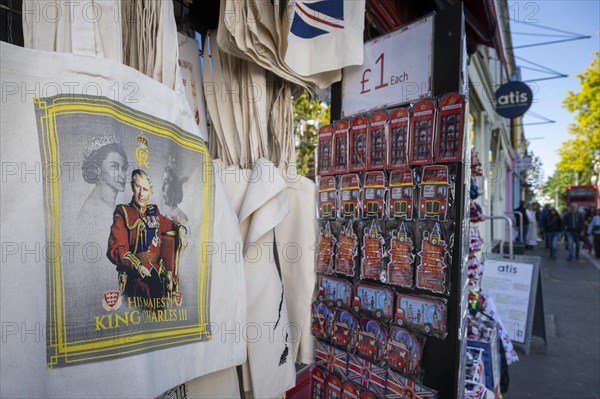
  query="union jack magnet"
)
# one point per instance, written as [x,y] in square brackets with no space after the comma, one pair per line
[331,359]
[366,374]
[400,387]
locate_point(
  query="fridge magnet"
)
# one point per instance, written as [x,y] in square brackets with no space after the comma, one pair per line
[325,151]
[434,188]
[475,213]
[476,167]
[327,208]
[350,196]
[373,252]
[372,337]
[322,317]
[475,240]
[374,300]
[347,250]
[474,191]
[329,358]
[450,125]
[422,116]
[398,386]
[401,257]
[326,248]
[334,290]
[318,384]
[398,146]
[404,351]
[431,269]
[366,395]
[402,190]
[474,273]
[373,195]
[367,375]
[349,390]
[358,144]
[422,313]
[345,329]
[333,389]
[377,140]
[340,148]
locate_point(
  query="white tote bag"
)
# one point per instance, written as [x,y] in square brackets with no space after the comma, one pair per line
[259,197]
[73,130]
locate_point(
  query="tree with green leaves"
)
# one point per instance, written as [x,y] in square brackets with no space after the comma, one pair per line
[577,154]
[309,116]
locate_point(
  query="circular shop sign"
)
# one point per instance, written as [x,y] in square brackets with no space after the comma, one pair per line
[513,99]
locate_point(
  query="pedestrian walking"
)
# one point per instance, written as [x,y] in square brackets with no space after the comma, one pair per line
[553,227]
[573,225]
[594,231]
[543,215]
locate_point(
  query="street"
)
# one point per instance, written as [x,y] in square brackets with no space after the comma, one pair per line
[569,365]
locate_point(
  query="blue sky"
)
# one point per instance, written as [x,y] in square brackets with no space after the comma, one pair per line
[569,58]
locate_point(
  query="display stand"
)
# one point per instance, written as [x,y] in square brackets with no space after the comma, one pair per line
[443,361]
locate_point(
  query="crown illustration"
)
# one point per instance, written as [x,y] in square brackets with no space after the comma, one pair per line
[142,141]
[99,142]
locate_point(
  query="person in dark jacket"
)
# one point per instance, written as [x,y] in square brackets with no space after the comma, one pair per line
[573,225]
[543,215]
[553,226]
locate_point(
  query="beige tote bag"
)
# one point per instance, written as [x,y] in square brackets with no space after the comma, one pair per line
[74,128]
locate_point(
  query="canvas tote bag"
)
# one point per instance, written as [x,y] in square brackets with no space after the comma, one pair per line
[90,27]
[73,130]
[259,197]
[296,238]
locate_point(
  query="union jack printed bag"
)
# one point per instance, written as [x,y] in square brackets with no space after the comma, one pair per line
[323,35]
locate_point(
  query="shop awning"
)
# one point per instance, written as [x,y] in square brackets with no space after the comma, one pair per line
[480,16]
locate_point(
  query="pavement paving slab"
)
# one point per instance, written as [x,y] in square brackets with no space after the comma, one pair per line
[568,367]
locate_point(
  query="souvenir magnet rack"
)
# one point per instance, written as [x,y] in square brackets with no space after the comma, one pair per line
[443,360]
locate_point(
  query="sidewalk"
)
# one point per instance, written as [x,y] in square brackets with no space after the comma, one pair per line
[569,366]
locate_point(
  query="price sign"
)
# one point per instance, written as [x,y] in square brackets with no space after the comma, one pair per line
[397,69]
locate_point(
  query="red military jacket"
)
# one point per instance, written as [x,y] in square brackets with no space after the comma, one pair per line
[135,234]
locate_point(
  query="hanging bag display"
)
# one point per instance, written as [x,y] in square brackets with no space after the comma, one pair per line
[120,170]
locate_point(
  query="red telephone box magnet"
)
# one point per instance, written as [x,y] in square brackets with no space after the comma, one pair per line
[358,144]
[340,147]
[421,133]
[325,151]
[450,126]
[377,141]
[399,138]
